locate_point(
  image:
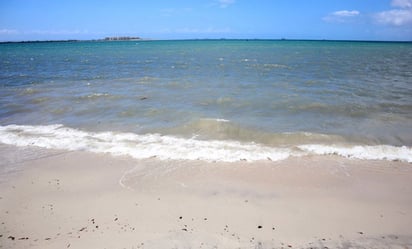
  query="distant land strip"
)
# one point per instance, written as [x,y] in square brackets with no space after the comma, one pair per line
[132,38]
[112,38]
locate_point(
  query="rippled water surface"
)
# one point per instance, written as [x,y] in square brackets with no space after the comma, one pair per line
[274,93]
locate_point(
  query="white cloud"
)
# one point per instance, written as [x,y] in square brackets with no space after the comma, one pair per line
[209,30]
[57,32]
[9,32]
[397,17]
[341,15]
[402,3]
[42,32]
[226,3]
[400,16]
[346,13]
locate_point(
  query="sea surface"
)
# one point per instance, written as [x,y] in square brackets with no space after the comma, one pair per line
[212,100]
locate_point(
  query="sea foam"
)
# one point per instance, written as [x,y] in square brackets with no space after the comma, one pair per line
[367,152]
[164,147]
[137,146]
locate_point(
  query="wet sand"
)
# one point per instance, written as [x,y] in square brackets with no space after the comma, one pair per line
[85,200]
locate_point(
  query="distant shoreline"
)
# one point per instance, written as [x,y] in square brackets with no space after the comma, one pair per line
[115,39]
[124,38]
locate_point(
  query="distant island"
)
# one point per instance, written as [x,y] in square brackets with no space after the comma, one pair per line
[112,38]
[136,38]
[122,38]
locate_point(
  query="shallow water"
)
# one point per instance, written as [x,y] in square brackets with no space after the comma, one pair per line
[278,95]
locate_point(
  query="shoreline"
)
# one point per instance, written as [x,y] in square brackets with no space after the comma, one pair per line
[209,39]
[218,148]
[86,200]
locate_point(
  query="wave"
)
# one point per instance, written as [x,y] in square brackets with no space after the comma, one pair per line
[165,147]
[222,129]
[366,152]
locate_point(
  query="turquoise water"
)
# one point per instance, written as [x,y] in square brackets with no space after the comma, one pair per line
[291,97]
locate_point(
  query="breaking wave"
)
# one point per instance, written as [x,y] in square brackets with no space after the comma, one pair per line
[166,147]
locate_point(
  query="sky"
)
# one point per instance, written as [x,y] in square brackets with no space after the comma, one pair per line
[198,19]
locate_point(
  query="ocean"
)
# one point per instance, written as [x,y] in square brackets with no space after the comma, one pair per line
[211,100]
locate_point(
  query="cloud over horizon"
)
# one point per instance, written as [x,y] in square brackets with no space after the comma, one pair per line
[399,16]
[341,15]
[9,31]
[402,3]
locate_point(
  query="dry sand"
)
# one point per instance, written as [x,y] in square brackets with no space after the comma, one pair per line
[84,200]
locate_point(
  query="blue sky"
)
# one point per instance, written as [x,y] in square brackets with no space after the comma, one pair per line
[182,19]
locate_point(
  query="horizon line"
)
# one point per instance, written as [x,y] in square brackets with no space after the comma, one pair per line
[200,39]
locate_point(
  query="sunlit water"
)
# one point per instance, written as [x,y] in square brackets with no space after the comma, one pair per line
[210,100]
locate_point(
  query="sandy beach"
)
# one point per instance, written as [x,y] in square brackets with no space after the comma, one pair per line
[86,200]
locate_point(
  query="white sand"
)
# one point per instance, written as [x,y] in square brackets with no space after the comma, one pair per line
[83,200]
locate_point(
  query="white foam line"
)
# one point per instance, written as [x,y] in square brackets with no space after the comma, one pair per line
[138,146]
[174,148]
[376,152]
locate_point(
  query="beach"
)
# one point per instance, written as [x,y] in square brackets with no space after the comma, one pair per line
[206,144]
[89,200]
